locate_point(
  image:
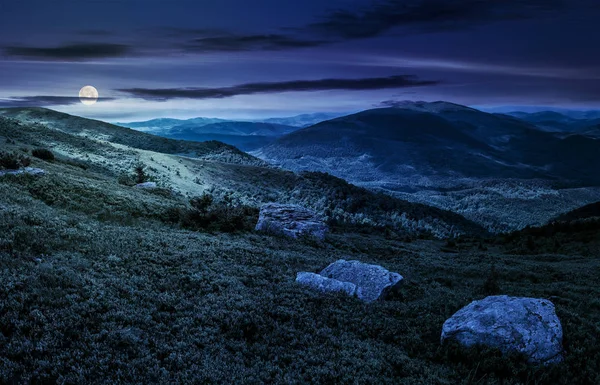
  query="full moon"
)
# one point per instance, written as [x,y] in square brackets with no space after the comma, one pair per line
[88,95]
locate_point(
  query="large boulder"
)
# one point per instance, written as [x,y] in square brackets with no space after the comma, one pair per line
[325,285]
[372,281]
[290,220]
[512,324]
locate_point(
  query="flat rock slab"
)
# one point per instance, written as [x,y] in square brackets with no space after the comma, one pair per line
[290,220]
[325,285]
[146,185]
[372,281]
[513,324]
[23,171]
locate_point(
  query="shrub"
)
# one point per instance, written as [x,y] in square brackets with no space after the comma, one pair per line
[43,153]
[13,161]
[205,214]
[202,203]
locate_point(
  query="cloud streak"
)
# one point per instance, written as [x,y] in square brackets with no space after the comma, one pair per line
[44,101]
[400,81]
[429,15]
[72,52]
[378,18]
[262,42]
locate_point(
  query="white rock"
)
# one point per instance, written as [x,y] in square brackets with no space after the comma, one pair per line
[23,171]
[290,220]
[325,285]
[146,185]
[512,324]
[372,281]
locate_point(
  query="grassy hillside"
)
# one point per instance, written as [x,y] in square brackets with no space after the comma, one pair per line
[244,184]
[98,286]
[42,119]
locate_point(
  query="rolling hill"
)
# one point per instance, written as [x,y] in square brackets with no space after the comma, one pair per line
[41,120]
[435,141]
[114,151]
[445,154]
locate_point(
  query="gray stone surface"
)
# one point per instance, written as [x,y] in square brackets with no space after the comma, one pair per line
[512,324]
[290,220]
[146,185]
[372,281]
[23,171]
[325,285]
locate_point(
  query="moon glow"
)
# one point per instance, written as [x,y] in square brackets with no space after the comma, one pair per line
[88,95]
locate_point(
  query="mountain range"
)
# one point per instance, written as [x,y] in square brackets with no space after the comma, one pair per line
[501,171]
[190,169]
[444,154]
[245,135]
[436,143]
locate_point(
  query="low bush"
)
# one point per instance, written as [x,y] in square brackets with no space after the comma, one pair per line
[205,214]
[13,161]
[43,153]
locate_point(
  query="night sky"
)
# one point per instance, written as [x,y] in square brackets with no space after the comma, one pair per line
[266,58]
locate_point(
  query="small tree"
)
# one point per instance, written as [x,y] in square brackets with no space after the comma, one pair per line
[140,173]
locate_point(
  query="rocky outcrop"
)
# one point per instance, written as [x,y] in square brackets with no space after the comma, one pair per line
[514,325]
[371,282]
[290,220]
[325,285]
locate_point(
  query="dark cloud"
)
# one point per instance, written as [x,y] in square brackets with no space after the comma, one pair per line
[265,42]
[382,16]
[73,52]
[399,81]
[43,101]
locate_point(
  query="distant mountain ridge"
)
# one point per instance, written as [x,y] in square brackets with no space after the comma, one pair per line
[495,169]
[435,141]
[560,122]
[247,135]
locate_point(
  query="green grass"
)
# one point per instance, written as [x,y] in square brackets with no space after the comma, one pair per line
[127,298]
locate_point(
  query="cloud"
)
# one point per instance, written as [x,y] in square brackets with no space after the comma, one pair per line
[73,52]
[426,15]
[264,42]
[43,101]
[399,81]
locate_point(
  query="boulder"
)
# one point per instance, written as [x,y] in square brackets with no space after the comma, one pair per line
[146,185]
[512,324]
[290,220]
[325,285]
[23,171]
[372,281]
